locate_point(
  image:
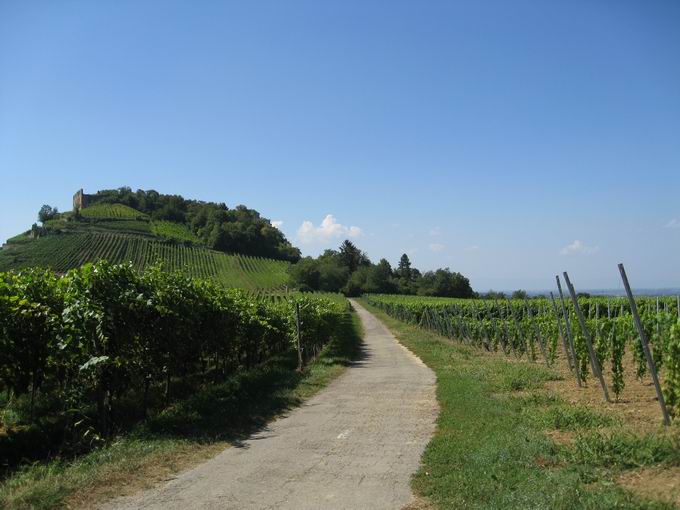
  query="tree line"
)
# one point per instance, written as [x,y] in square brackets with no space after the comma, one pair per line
[350,271]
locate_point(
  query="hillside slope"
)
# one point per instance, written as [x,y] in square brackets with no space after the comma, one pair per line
[69,250]
[120,234]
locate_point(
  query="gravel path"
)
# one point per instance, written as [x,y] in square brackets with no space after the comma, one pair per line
[354,445]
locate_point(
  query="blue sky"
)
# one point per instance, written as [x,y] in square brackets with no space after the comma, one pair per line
[506,140]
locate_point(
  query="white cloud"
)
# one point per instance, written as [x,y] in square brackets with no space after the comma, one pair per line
[354,232]
[435,231]
[277,223]
[328,230]
[578,247]
[472,247]
[436,247]
[674,223]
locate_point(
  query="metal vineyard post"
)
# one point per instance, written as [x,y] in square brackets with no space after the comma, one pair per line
[645,346]
[594,362]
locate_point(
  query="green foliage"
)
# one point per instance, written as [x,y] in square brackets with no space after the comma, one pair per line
[47,213]
[115,211]
[104,337]
[68,251]
[20,239]
[113,226]
[444,283]
[238,230]
[618,349]
[522,325]
[672,364]
[625,450]
[489,450]
[519,294]
[220,411]
[29,328]
[352,257]
[572,417]
[172,230]
[348,270]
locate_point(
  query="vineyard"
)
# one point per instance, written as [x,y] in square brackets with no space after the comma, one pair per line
[550,331]
[117,211]
[171,230]
[85,353]
[67,251]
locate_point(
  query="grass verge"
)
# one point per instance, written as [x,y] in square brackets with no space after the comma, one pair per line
[187,433]
[494,445]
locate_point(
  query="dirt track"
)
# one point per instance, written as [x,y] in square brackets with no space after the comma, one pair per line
[354,445]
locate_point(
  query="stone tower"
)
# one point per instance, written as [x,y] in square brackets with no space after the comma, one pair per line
[79,200]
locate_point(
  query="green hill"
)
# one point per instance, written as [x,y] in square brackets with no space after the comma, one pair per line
[68,250]
[216,226]
[119,233]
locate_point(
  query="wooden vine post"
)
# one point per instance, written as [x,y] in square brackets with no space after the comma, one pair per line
[299,335]
[594,362]
[567,323]
[561,332]
[645,346]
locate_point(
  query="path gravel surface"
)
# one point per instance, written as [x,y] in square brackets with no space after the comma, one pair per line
[354,445]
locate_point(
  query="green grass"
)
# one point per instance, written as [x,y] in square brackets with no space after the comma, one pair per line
[574,418]
[621,450]
[116,211]
[491,448]
[196,428]
[69,250]
[172,230]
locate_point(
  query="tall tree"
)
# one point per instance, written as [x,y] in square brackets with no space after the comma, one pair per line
[404,267]
[47,212]
[351,256]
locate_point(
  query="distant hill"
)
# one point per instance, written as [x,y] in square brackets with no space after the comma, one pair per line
[179,233]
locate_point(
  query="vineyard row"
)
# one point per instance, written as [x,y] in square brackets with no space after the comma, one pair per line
[541,328]
[68,251]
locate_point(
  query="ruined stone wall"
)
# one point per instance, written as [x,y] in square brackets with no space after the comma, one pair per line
[80,200]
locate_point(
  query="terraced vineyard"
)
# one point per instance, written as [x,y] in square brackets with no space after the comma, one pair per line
[118,211]
[68,251]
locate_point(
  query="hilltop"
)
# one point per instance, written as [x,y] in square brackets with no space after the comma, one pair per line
[236,247]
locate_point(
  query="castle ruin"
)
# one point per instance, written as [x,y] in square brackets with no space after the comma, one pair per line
[80,200]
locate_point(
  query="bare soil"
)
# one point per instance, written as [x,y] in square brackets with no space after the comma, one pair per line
[637,407]
[654,483]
